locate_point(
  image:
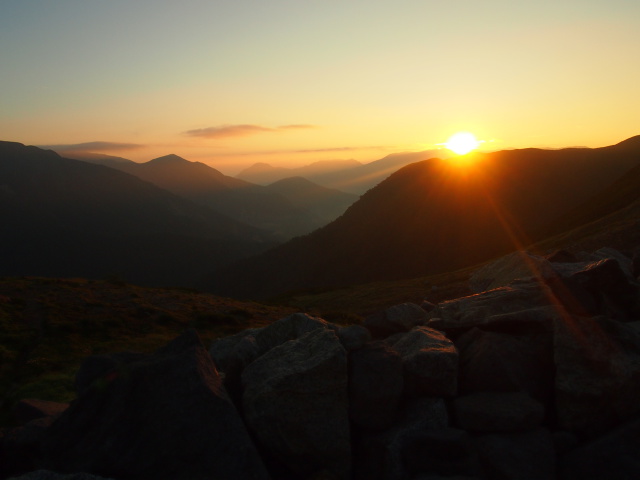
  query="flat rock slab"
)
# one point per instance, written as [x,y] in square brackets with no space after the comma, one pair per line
[430,362]
[296,404]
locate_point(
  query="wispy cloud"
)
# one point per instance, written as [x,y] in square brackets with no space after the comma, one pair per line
[338,149]
[309,150]
[94,147]
[226,131]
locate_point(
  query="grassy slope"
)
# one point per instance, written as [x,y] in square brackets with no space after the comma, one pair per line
[48,326]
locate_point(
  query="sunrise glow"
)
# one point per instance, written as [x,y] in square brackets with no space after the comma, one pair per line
[462,143]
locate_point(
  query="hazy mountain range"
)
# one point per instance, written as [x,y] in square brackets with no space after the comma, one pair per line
[284,209]
[65,217]
[347,176]
[434,216]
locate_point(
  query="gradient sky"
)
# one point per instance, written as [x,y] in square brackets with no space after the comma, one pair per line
[295,81]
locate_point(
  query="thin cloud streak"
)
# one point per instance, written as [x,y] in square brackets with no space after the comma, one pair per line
[227,131]
[94,147]
[311,150]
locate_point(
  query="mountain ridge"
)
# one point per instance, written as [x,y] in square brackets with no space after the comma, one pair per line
[65,217]
[433,216]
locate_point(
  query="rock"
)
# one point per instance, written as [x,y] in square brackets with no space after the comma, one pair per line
[498,412]
[518,456]
[379,456]
[523,306]
[233,353]
[430,363]
[48,475]
[635,265]
[597,374]
[296,404]
[501,362]
[29,409]
[564,441]
[514,266]
[444,452]
[20,447]
[375,386]
[406,315]
[625,263]
[96,367]
[613,456]
[289,328]
[354,337]
[166,415]
[611,288]
[427,306]
[399,318]
[561,256]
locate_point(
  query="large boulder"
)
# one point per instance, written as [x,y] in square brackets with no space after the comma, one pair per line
[522,306]
[502,362]
[166,415]
[233,353]
[503,271]
[597,373]
[20,446]
[96,368]
[625,262]
[518,456]
[379,456]
[354,337]
[395,319]
[430,363]
[616,295]
[498,412]
[296,404]
[448,452]
[375,386]
[614,455]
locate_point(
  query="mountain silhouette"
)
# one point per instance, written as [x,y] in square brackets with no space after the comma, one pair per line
[347,176]
[614,208]
[324,204]
[64,217]
[434,216]
[252,204]
[264,174]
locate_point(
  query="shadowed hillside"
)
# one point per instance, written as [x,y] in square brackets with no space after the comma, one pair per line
[435,216]
[65,217]
[324,204]
[252,204]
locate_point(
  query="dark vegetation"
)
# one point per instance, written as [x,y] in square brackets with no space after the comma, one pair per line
[48,326]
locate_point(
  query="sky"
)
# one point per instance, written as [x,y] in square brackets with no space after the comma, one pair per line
[290,82]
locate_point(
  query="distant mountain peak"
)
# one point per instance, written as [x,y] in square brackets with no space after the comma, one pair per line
[168,159]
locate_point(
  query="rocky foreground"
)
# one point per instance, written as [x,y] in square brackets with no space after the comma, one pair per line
[537,376]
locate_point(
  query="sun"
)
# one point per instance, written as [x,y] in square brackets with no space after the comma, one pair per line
[462,143]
